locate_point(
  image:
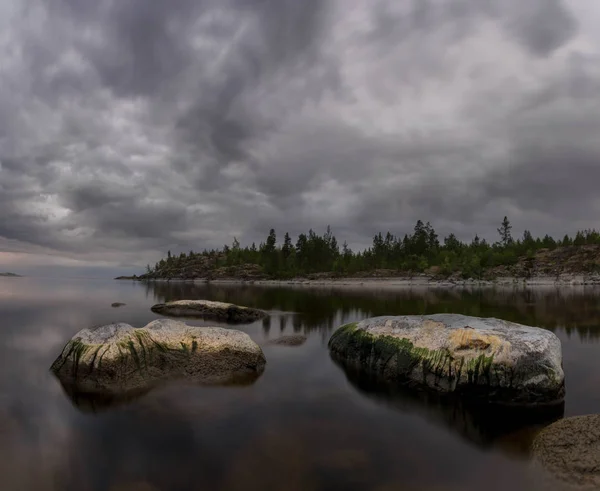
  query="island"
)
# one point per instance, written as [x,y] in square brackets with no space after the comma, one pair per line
[10,275]
[419,257]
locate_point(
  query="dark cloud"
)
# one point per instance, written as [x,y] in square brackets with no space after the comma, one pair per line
[543,25]
[540,25]
[130,127]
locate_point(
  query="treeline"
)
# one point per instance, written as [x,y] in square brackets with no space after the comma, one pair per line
[418,252]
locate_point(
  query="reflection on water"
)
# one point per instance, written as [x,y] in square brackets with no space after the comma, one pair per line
[304,424]
[480,424]
[97,402]
[573,309]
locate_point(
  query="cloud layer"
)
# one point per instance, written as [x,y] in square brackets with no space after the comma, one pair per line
[131,127]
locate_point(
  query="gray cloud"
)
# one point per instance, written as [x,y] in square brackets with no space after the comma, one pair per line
[127,128]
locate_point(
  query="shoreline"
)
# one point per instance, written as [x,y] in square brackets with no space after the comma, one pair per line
[397,282]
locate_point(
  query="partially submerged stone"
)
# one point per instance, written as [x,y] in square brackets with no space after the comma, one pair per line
[290,340]
[118,358]
[568,453]
[488,359]
[117,304]
[207,309]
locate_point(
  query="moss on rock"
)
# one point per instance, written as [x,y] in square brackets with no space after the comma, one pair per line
[119,358]
[450,355]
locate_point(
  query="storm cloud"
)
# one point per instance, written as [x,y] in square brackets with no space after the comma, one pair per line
[131,127]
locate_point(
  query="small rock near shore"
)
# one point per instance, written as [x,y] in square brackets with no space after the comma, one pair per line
[117,304]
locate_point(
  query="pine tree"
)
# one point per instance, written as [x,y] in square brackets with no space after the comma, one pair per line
[271,242]
[420,239]
[286,250]
[346,251]
[504,231]
[451,243]
[432,237]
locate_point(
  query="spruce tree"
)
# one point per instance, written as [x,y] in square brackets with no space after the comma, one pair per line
[504,231]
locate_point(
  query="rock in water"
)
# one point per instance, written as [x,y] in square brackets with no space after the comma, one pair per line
[118,358]
[290,340]
[569,453]
[221,311]
[489,359]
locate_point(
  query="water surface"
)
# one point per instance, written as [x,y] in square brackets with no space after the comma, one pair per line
[303,425]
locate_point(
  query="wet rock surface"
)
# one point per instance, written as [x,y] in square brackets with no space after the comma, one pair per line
[220,311]
[568,452]
[486,359]
[118,360]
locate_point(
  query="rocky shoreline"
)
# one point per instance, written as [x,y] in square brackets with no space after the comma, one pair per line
[562,280]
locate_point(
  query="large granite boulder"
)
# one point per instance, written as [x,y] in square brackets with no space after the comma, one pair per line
[226,312]
[120,359]
[568,453]
[487,359]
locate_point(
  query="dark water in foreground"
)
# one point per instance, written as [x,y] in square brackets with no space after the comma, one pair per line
[302,426]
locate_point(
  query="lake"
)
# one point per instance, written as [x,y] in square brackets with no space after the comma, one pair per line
[303,425]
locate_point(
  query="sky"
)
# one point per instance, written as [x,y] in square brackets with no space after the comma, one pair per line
[129,128]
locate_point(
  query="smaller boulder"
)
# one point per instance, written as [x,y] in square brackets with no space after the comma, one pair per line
[220,311]
[117,304]
[291,340]
[568,452]
[118,359]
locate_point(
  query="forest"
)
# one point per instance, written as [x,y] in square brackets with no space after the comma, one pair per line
[418,252]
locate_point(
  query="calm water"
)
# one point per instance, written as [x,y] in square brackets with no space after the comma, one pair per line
[302,426]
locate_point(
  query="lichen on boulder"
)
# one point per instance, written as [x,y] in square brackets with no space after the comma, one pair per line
[489,359]
[118,358]
[221,311]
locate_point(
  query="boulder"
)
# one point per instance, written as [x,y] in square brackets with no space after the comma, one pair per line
[226,312]
[291,340]
[487,359]
[568,453]
[118,359]
[117,304]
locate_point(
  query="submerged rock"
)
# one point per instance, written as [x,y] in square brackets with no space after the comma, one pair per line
[221,311]
[569,453]
[487,359]
[291,340]
[118,359]
[117,304]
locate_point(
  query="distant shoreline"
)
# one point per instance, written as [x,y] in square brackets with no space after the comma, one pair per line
[10,275]
[564,280]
